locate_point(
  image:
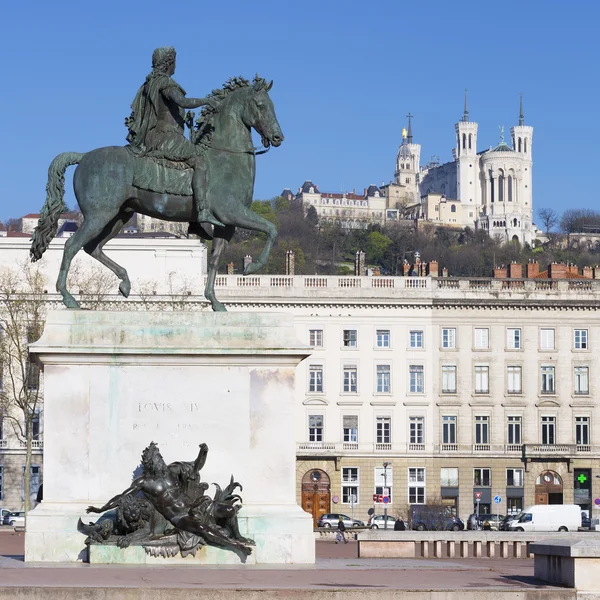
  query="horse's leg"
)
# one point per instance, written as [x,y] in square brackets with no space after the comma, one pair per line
[95,249]
[244,217]
[90,228]
[221,238]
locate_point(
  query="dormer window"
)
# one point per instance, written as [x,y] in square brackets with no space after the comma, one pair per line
[311,190]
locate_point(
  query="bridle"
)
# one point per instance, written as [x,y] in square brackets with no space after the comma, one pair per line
[255,150]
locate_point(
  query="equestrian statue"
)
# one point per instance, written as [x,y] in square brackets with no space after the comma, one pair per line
[206,179]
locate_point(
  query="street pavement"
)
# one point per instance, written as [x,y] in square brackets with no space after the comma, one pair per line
[337,566]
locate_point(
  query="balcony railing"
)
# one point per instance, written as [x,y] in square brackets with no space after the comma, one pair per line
[3,443]
[35,444]
[482,447]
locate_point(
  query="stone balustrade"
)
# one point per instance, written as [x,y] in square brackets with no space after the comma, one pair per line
[459,544]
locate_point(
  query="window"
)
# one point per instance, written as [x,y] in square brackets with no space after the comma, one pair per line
[449,430]
[416,434]
[513,339]
[384,481]
[449,379]
[514,477]
[315,378]
[448,338]
[384,430]
[315,338]
[416,339]
[383,338]
[547,379]
[482,429]
[482,477]
[449,477]
[35,426]
[383,379]
[514,385]
[350,379]
[514,505]
[350,427]
[315,428]
[350,484]
[416,379]
[416,485]
[513,430]
[582,431]
[547,339]
[581,339]
[548,430]
[581,379]
[482,338]
[350,338]
[482,379]
[1,482]
[33,376]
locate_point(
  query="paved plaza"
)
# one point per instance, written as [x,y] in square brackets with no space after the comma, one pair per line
[337,569]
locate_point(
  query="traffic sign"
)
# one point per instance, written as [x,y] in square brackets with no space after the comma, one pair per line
[335,499]
[597,501]
[386,499]
[375,496]
[386,491]
[477,495]
[497,499]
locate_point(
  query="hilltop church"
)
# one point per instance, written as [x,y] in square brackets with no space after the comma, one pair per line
[488,189]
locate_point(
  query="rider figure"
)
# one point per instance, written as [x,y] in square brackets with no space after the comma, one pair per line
[156,127]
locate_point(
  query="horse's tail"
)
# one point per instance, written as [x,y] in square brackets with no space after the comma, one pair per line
[47,225]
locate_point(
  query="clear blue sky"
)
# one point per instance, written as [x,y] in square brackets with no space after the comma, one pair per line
[346,74]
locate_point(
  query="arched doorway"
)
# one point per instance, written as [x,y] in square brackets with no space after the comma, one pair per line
[316,493]
[548,488]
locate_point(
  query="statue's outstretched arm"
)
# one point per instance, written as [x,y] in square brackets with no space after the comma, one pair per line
[176,96]
[135,487]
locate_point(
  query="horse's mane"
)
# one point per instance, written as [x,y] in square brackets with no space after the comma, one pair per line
[204,121]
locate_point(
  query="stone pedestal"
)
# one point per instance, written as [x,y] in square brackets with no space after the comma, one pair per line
[115,381]
[572,563]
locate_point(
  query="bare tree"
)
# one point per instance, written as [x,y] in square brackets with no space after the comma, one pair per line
[146,289]
[180,291]
[22,317]
[549,218]
[13,224]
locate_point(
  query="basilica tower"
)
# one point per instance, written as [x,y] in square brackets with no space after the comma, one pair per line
[467,168]
[407,163]
[522,135]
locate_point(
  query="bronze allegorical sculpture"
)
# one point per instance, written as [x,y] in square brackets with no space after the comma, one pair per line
[208,178]
[174,514]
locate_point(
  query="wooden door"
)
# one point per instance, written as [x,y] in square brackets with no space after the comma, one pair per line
[541,498]
[316,503]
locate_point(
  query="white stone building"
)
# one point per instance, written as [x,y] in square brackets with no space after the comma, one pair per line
[493,186]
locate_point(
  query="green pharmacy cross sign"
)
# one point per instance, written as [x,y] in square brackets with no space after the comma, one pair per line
[582,478]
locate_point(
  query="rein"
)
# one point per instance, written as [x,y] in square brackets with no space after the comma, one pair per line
[256,150]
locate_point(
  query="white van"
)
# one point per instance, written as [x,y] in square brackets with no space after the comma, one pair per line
[548,517]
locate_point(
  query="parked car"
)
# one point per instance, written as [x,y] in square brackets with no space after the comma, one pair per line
[506,522]
[3,513]
[494,521]
[378,522]
[586,521]
[434,518]
[548,517]
[15,518]
[332,519]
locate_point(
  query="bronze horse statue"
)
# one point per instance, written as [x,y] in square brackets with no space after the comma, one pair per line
[110,187]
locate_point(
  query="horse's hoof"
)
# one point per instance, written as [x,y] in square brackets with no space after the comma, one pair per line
[125,288]
[218,306]
[70,302]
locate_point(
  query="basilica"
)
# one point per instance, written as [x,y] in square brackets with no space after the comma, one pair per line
[488,189]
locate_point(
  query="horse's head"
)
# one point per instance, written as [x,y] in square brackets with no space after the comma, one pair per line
[259,113]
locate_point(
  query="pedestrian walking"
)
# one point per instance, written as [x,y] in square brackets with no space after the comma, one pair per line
[341,532]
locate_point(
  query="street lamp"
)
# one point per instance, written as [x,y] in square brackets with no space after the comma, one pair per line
[385,466]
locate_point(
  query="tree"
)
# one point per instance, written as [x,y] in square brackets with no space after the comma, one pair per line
[281,204]
[13,224]
[93,283]
[549,219]
[376,247]
[22,317]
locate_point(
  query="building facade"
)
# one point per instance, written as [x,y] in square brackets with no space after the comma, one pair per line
[493,187]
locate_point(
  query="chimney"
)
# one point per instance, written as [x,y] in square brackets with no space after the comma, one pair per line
[354,191]
[376,271]
[290,263]
[515,270]
[247,260]
[533,268]
[500,272]
[557,271]
[588,272]
[365,192]
[359,264]
[230,268]
[573,270]
[432,268]
[597,272]
[444,272]
[405,268]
